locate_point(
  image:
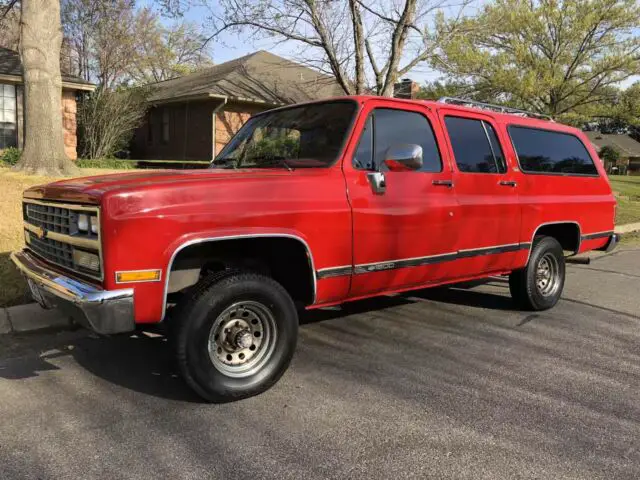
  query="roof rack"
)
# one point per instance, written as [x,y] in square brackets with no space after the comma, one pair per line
[496,108]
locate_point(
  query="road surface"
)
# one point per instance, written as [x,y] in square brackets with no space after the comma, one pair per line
[447,383]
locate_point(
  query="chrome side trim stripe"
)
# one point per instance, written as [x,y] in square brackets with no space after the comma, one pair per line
[595,235]
[474,252]
[432,259]
[404,263]
[333,272]
[418,261]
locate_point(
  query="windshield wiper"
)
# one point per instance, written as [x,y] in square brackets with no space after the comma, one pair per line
[270,160]
[225,163]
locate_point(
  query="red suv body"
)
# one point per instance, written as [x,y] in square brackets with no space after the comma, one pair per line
[334,201]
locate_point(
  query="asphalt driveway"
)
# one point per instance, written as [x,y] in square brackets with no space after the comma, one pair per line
[445,383]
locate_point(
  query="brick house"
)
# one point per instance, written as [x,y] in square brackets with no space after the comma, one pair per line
[629,148]
[12,104]
[194,116]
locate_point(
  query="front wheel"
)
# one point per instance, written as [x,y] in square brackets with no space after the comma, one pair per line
[235,336]
[539,285]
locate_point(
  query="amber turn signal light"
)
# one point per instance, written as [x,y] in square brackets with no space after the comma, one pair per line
[138,276]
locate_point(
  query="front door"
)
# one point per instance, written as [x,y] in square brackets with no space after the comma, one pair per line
[487,193]
[405,223]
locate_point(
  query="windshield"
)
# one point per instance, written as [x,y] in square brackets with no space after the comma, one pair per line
[298,137]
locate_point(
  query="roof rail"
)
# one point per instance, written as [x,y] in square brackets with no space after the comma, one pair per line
[496,108]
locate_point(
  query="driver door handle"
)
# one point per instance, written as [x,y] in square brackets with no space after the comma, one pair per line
[508,183]
[442,183]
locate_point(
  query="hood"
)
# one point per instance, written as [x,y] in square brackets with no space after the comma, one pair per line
[92,189]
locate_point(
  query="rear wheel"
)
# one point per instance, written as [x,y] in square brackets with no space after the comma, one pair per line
[539,285]
[235,335]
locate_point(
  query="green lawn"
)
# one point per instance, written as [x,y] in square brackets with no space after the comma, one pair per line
[629,200]
[12,184]
[627,186]
[628,211]
[631,239]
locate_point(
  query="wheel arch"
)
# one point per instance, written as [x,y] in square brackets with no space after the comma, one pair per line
[567,232]
[216,239]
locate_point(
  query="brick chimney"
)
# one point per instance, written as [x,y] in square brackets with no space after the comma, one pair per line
[406,88]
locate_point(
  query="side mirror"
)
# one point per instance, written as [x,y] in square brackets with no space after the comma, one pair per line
[403,157]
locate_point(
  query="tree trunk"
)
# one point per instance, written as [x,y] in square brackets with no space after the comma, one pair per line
[41,39]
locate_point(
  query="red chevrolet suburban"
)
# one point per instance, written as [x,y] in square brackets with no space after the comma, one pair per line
[314,205]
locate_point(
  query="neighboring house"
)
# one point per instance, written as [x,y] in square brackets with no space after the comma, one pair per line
[628,147]
[193,117]
[12,104]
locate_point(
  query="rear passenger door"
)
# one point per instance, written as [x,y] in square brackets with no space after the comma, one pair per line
[487,193]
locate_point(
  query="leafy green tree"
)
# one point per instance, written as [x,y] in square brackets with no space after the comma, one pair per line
[551,56]
[627,108]
[455,88]
[609,154]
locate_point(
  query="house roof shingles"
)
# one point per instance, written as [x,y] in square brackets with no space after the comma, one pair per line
[625,144]
[260,77]
[10,65]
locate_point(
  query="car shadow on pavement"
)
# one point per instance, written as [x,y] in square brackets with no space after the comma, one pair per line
[142,362]
[463,294]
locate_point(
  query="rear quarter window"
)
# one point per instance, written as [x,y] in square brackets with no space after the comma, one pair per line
[550,152]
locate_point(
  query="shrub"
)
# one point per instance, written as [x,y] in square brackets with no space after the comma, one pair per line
[107,120]
[111,163]
[609,154]
[9,156]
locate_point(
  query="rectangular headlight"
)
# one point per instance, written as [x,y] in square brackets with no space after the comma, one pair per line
[83,222]
[86,260]
[94,225]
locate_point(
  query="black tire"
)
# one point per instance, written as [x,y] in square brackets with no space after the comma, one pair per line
[211,304]
[529,290]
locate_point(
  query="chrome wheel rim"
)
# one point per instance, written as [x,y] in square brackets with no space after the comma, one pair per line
[242,339]
[547,275]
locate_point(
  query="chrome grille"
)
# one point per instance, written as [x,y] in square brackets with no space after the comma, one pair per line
[51,218]
[56,252]
[54,232]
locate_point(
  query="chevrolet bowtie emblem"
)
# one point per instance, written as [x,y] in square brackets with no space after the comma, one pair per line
[40,232]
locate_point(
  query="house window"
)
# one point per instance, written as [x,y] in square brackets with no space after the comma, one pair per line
[8,137]
[165,126]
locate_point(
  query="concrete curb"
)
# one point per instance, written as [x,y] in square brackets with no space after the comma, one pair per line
[628,228]
[31,317]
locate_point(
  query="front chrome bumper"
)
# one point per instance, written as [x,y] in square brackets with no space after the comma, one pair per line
[103,311]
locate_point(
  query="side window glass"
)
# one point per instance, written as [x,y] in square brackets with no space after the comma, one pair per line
[549,152]
[394,127]
[363,158]
[472,148]
[495,147]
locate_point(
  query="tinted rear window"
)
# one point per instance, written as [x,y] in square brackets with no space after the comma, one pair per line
[544,151]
